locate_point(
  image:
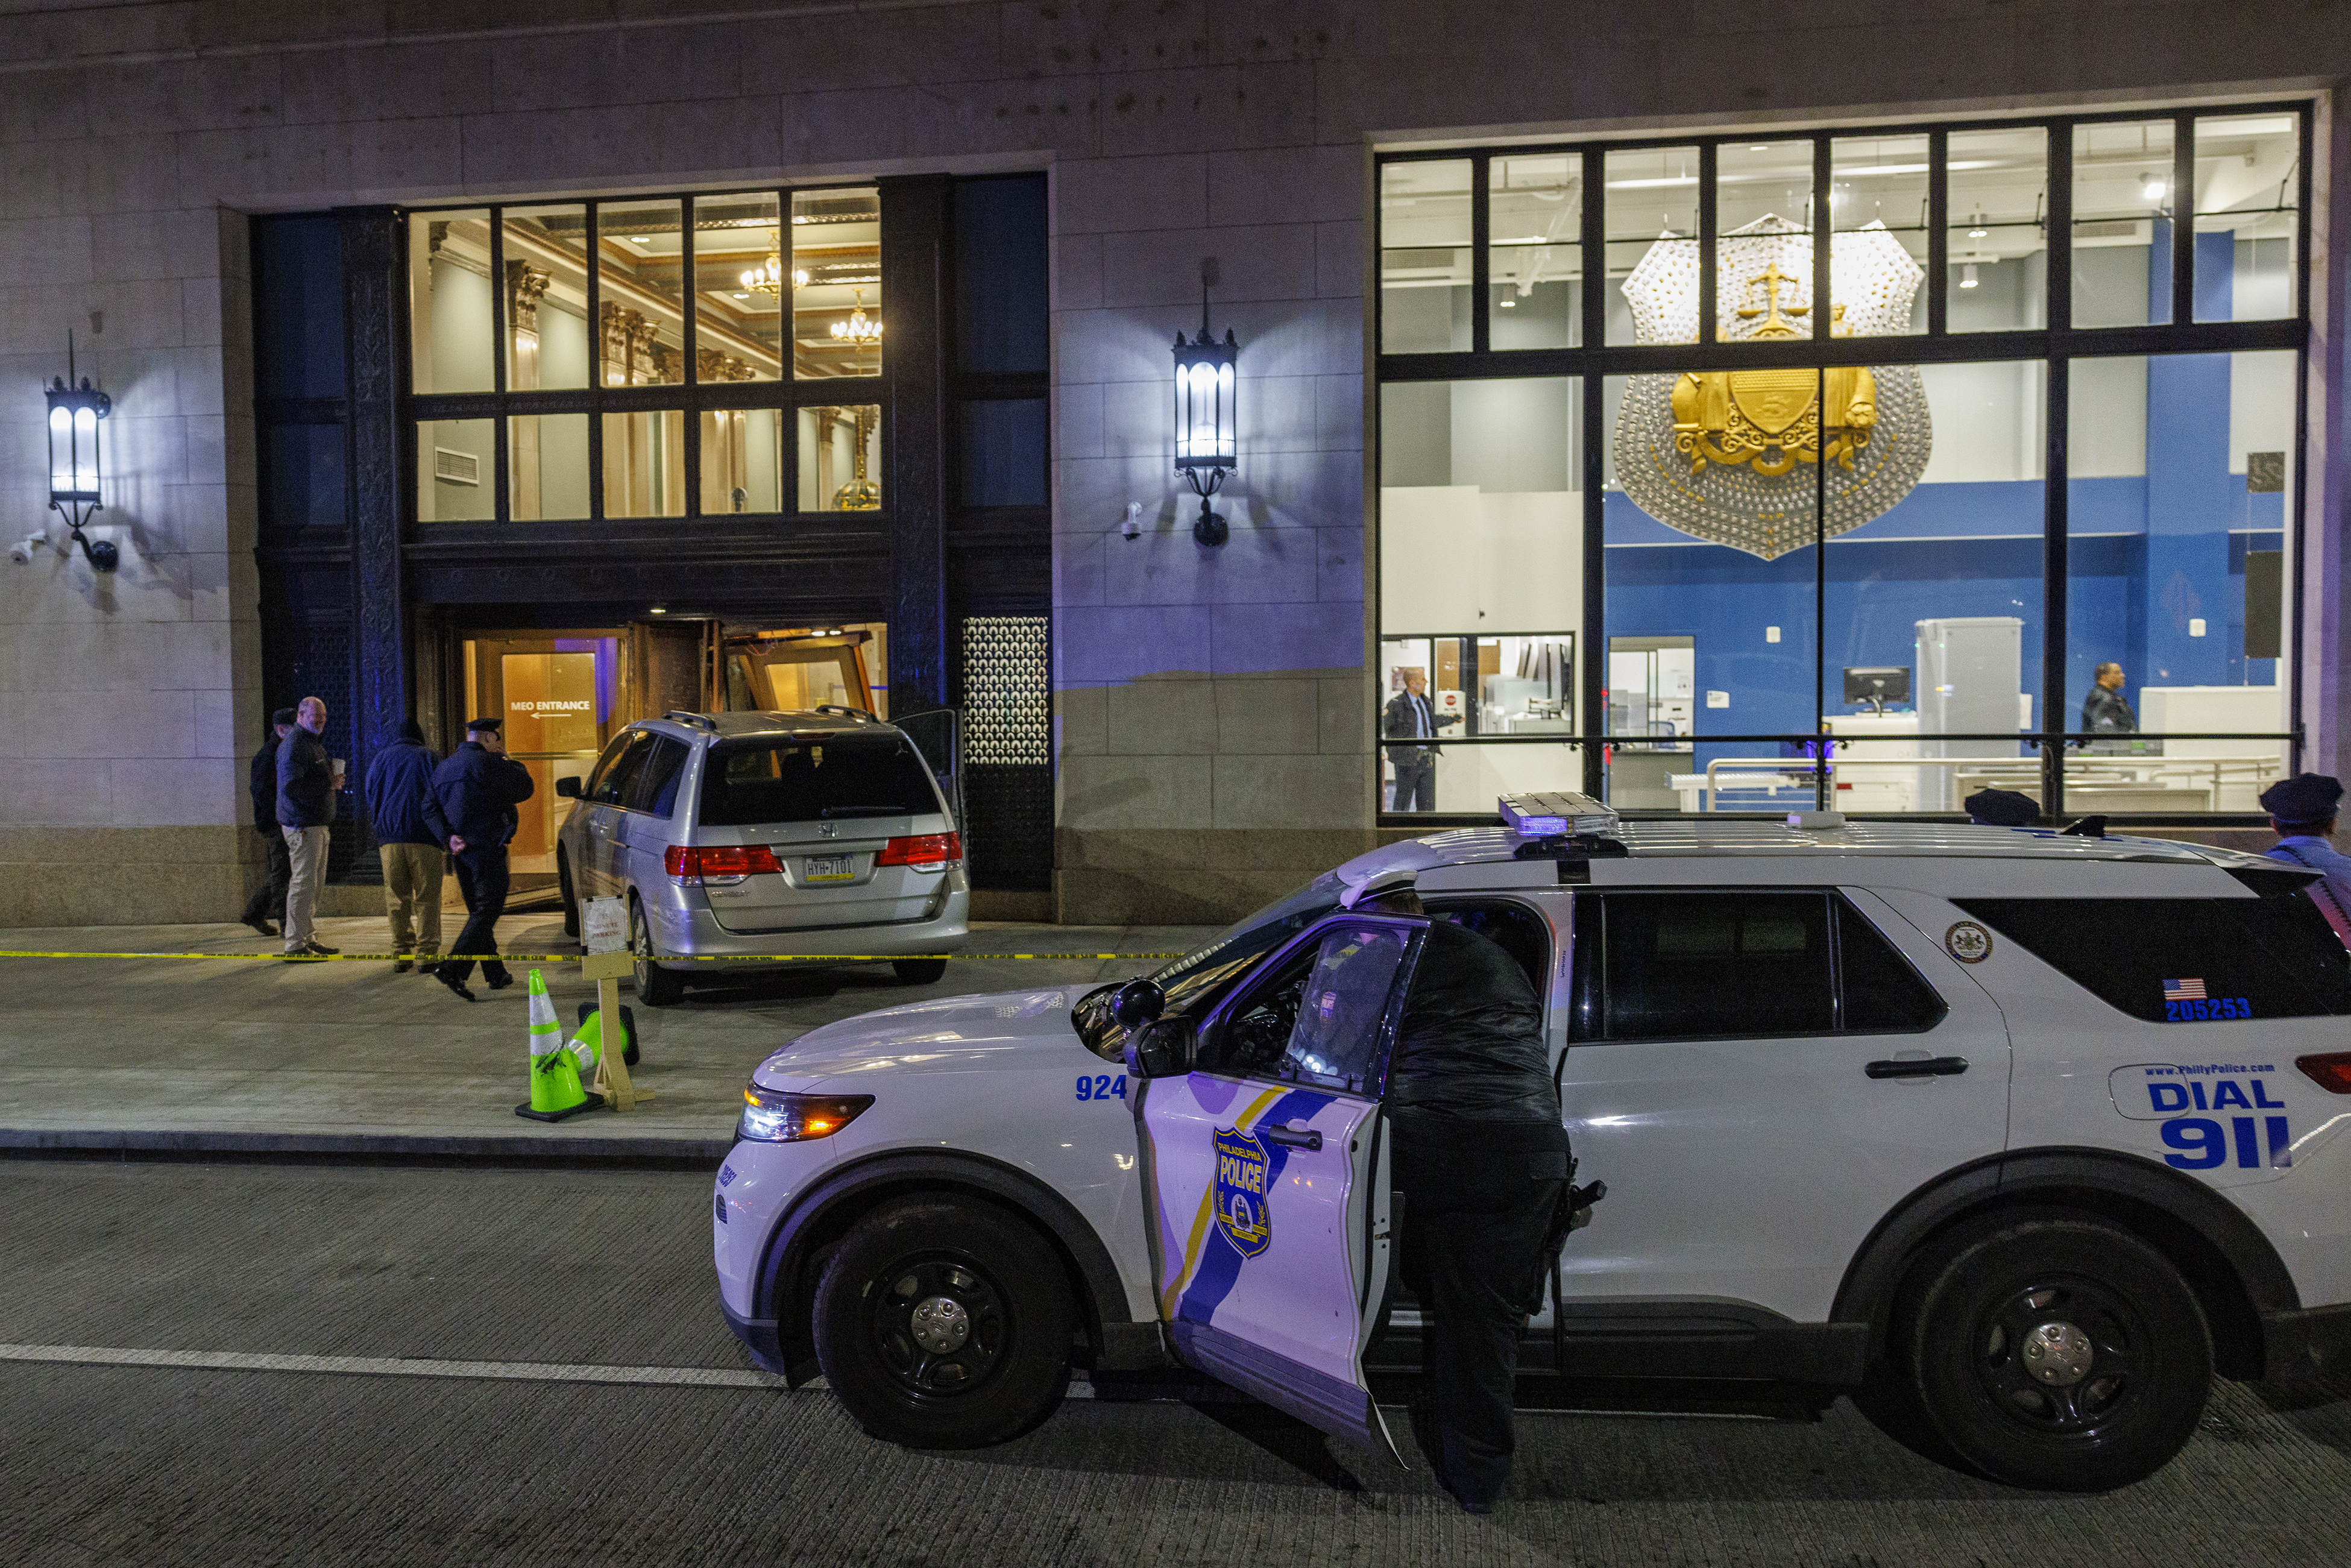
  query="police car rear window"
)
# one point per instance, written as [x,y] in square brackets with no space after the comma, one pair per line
[838,778]
[2184,960]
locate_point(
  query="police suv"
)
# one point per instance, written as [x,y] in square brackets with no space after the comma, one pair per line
[2021,1138]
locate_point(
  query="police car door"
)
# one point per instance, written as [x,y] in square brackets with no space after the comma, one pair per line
[1266,1169]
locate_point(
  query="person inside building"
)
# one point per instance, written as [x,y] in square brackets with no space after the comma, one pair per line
[2106,711]
[1412,718]
[1482,1160]
[471,808]
[2302,810]
[2002,809]
[307,780]
[268,900]
[399,783]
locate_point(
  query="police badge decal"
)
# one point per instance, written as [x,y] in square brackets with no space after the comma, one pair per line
[1242,1212]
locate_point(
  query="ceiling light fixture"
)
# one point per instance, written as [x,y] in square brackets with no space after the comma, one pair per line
[1968,275]
[1977,229]
[2150,186]
[640,239]
[859,329]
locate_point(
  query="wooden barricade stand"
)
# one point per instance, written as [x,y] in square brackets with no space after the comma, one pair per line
[603,931]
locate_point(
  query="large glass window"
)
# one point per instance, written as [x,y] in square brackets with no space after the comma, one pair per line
[626,359]
[1799,570]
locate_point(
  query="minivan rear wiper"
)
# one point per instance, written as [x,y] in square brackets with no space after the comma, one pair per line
[863,811]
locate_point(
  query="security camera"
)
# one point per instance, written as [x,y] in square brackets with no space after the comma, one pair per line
[1132,527]
[21,552]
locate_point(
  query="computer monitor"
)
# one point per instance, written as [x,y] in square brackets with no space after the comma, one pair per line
[1877,684]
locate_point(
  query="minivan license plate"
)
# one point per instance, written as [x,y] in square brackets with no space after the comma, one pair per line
[828,868]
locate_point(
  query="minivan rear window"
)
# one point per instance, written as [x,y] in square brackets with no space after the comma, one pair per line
[2185,960]
[809,780]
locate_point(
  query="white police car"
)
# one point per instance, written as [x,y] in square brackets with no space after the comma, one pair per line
[2021,1138]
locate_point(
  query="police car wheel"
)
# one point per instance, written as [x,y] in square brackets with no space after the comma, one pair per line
[2065,1354]
[656,986]
[918,971]
[944,1325]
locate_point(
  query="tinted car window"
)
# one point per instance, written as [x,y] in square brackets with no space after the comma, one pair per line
[1682,964]
[610,784]
[2181,960]
[807,780]
[654,788]
[1882,993]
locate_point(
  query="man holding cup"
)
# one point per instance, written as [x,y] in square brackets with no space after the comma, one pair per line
[308,781]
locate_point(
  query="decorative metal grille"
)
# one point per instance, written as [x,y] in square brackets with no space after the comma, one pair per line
[1006,695]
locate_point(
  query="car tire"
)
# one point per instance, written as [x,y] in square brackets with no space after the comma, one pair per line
[944,1325]
[2065,1354]
[918,971]
[563,892]
[656,986]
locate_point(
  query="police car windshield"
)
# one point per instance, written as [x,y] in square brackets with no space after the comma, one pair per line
[805,780]
[1204,972]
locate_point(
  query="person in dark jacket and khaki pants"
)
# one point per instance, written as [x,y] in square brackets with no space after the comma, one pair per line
[307,781]
[472,809]
[268,900]
[398,784]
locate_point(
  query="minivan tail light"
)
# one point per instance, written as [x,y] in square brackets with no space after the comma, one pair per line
[721,863]
[2331,1071]
[925,852]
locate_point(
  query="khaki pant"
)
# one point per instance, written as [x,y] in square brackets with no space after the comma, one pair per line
[307,848]
[412,896]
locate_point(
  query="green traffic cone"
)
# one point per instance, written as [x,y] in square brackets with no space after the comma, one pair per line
[587,1041]
[555,1091]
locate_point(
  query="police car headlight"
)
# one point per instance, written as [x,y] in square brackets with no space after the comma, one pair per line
[772,1117]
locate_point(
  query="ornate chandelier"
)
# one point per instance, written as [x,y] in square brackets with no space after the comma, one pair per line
[768,277]
[859,329]
[1733,456]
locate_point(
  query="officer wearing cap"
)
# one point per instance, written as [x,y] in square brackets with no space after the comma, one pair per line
[2302,809]
[1481,1158]
[2002,809]
[470,808]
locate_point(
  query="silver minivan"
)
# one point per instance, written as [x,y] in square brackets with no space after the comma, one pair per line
[776,836]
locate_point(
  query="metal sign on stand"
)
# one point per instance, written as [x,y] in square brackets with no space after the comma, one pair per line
[604,933]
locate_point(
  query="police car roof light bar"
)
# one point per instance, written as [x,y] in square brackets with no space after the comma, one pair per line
[1556,815]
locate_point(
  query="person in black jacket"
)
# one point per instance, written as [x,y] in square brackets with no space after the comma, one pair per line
[470,808]
[2106,711]
[1411,718]
[307,781]
[1481,1158]
[268,900]
[399,783]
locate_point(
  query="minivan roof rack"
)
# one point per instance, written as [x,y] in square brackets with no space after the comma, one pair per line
[856,713]
[699,720]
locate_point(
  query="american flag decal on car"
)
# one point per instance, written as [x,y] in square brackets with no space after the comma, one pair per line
[2183,990]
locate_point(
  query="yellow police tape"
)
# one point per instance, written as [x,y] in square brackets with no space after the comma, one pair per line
[576,957]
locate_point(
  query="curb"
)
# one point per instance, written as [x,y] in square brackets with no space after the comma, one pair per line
[302,1148]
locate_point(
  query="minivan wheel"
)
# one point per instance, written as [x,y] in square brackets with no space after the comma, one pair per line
[2065,1354]
[943,1324]
[918,971]
[656,986]
[563,892]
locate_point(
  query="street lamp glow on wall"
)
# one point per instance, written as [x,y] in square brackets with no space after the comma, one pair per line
[1206,384]
[76,410]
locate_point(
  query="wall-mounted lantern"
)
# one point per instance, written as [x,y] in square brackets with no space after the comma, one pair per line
[1205,388]
[76,410]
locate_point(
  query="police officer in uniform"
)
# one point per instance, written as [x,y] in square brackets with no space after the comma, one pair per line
[2302,809]
[470,808]
[1481,1159]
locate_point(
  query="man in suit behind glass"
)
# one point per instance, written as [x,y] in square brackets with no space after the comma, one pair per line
[1410,717]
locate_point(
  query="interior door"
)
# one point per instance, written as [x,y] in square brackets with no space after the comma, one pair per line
[939,735]
[1267,1172]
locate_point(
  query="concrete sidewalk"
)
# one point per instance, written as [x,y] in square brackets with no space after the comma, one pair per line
[172,1053]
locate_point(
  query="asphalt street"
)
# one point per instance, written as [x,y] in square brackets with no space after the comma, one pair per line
[273,1364]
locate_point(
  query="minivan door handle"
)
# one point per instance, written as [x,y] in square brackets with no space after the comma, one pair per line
[1296,1137]
[1918,1067]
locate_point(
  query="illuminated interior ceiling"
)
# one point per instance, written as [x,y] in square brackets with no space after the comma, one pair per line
[1734,457]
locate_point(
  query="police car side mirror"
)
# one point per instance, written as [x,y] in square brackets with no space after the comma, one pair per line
[1136,1003]
[568,786]
[1157,1051]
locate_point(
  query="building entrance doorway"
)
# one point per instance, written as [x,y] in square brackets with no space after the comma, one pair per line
[557,693]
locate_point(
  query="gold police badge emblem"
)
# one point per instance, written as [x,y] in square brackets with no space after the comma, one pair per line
[1731,456]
